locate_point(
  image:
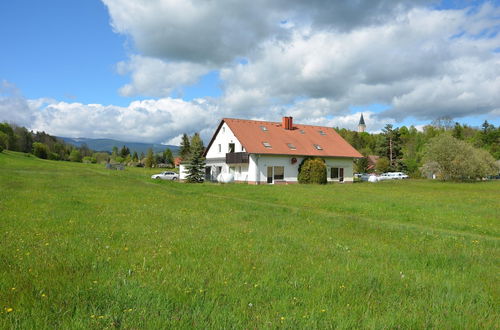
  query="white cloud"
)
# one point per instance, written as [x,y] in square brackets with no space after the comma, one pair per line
[154,77]
[13,106]
[144,121]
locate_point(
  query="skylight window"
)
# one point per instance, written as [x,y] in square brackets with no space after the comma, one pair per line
[291,146]
[302,131]
[317,146]
[267,145]
[264,128]
[322,133]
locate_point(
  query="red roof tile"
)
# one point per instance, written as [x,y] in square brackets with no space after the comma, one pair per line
[304,138]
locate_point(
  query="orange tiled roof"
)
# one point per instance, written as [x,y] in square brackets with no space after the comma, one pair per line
[304,138]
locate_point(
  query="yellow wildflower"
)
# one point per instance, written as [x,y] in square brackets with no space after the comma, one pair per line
[8,310]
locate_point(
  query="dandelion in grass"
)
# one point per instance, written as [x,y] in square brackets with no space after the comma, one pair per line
[9,309]
[323,310]
[250,305]
[13,289]
[44,295]
[282,318]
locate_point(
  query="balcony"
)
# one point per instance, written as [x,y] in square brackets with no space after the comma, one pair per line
[237,158]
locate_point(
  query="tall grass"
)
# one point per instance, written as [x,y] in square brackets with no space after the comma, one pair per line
[85,247]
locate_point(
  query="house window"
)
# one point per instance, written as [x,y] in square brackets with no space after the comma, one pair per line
[334,173]
[267,145]
[231,147]
[242,148]
[291,146]
[263,128]
[220,148]
[302,131]
[322,132]
[239,169]
[317,146]
[223,129]
[279,172]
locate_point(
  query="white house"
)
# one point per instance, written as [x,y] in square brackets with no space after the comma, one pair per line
[261,152]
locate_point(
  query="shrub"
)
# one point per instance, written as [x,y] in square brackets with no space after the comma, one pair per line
[75,156]
[89,160]
[4,141]
[54,156]
[313,171]
[40,150]
[456,160]
[382,165]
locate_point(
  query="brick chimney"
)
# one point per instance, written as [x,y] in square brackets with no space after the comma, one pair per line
[287,123]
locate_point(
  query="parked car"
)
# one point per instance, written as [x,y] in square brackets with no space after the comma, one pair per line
[392,176]
[166,176]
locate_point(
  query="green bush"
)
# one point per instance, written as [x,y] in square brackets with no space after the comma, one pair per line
[54,156]
[75,156]
[89,160]
[40,150]
[4,141]
[313,171]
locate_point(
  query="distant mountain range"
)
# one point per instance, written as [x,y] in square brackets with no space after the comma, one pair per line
[108,144]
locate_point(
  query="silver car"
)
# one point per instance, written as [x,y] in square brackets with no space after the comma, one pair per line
[166,176]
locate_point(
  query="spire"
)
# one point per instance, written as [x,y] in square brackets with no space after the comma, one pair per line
[361,120]
[361,125]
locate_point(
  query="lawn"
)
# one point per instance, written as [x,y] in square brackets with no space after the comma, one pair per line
[86,247]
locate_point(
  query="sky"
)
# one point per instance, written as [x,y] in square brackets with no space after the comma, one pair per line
[151,70]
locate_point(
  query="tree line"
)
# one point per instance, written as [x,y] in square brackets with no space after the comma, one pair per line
[408,149]
[46,146]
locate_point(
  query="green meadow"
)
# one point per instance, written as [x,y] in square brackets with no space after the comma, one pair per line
[84,247]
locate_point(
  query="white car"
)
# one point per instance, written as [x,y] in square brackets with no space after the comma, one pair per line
[166,176]
[392,176]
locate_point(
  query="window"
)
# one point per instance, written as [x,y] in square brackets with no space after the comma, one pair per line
[267,145]
[231,147]
[223,129]
[322,133]
[334,173]
[279,172]
[317,146]
[263,128]
[302,131]
[220,148]
[291,146]
[242,148]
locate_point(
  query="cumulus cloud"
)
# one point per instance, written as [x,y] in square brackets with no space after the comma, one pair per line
[154,77]
[163,120]
[14,108]
[317,58]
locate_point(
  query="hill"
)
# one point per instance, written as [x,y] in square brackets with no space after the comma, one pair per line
[83,247]
[108,144]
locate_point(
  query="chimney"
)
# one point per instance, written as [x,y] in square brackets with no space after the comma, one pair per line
[287,123]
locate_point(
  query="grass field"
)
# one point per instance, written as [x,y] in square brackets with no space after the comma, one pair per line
[85,247]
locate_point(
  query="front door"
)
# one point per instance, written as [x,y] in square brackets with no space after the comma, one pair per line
[269,174]
[341,174]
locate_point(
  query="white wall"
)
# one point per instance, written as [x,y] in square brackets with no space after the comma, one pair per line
[259,163]
[223,138]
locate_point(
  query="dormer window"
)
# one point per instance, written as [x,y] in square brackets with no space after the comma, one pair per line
[291,146]
[317,146]
[322,133]
[267,145]
[263,128]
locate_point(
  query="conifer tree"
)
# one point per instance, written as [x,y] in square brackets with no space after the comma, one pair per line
[185,147]
[196,167]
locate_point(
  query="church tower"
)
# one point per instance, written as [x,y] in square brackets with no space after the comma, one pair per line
[361,125]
